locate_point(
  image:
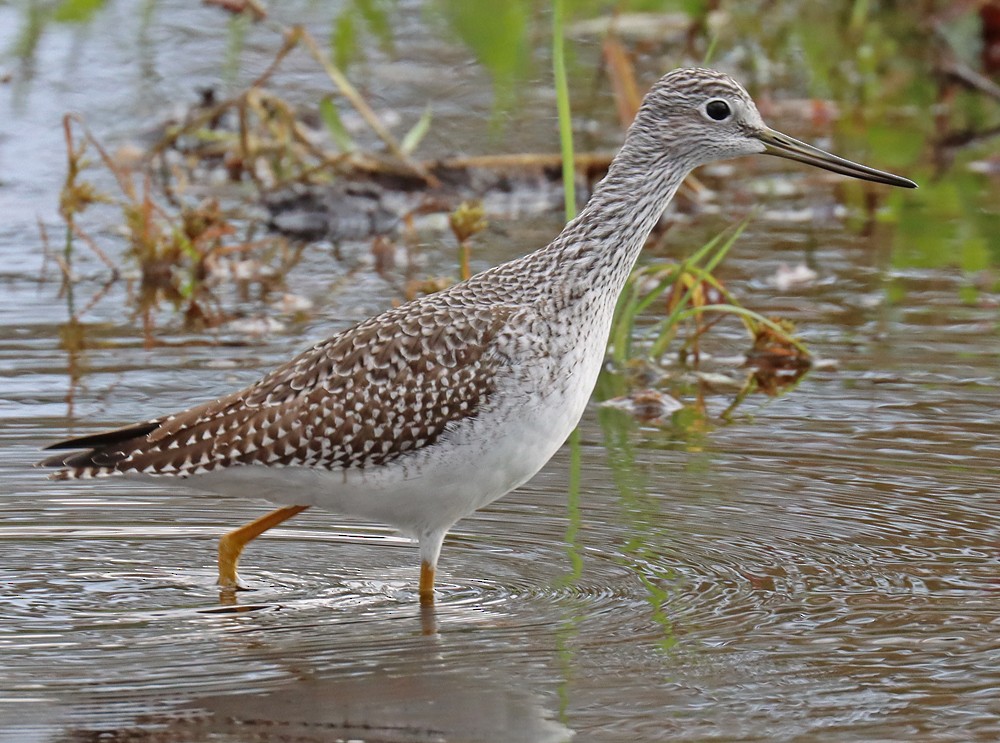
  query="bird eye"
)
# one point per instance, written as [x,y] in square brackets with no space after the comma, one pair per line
[718,109]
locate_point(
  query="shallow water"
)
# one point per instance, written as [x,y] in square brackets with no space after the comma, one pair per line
[823,567]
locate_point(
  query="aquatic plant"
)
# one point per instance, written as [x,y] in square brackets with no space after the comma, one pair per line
[183,248]
[181,251]
[466,221]
[687,291]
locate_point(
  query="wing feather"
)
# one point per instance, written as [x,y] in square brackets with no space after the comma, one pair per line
[389,386]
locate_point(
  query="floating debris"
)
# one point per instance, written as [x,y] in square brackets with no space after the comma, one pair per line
[254,326]
[292,304]
[795,277]
[642,372]
[774,346]
[776,359]
[647,26]
[825,364]
[647,406]
[718,382]
[338,212]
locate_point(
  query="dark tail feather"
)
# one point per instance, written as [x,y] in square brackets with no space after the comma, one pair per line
[73,459]
[93,444]
[108,438]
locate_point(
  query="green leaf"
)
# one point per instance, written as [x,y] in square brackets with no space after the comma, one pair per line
[77,11]
[497,33]
[344,40]
[975,255]
[331,118]
[417,133]
[968,294]
[236,38]
[377,18]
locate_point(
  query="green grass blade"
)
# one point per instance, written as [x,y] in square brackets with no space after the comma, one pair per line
[417,132]
[338,132]
[750,315]
[563,107]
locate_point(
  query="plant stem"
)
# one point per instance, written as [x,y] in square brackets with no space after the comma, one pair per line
[569,182]
[562,105]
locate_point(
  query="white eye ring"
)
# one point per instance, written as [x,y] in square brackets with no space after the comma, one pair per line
[718,109]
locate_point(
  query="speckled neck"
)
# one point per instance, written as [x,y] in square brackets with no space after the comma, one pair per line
[596,251]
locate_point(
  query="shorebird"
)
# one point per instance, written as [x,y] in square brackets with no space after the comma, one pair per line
[431,410]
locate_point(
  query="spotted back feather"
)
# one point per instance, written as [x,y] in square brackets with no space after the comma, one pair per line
[363,397]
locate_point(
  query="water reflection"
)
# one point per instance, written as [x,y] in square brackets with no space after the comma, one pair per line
[410,695]
[416,701]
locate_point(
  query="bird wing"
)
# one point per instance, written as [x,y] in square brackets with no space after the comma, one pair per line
[364,397]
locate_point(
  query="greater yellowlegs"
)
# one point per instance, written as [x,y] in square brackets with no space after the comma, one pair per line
[429,411]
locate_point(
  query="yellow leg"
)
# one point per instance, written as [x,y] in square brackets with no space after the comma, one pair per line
[232,544]
[426,582]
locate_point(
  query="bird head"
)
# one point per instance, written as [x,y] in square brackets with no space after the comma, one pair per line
[700,116]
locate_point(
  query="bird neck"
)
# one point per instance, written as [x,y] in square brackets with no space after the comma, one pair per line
[597,250]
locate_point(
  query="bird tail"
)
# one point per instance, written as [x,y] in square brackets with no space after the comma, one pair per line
[99,453]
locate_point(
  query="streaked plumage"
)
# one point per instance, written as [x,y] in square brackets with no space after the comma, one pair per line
[360,399]
[423,414]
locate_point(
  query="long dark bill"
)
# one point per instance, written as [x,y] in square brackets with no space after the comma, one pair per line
[782,145]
